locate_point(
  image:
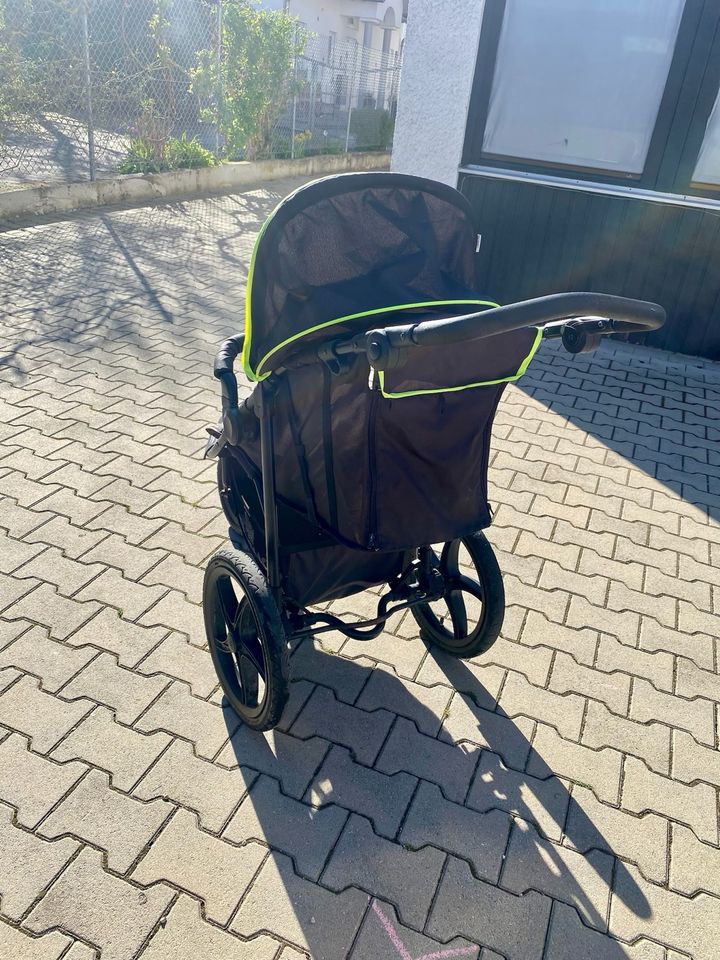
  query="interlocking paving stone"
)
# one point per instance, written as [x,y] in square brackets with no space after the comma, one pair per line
[694,866]
[301,911]
[291,761]
[31,783]
[570,939]
[424,705]
[176,657]
[643,840]
[581,880]
[542,801]
[691,761]
[698,647]
[480,681]
[212,791]
[325,716]
[108,819]
[539,632]
[124,691]
[345,677]
[60,615]
[53,662]
[27,865]
[305,833]
[694,805]
[466,721]
[613,689]
[363,859]
[381,931]
[514,926]
[449,765]
[616,656]
[651,741]
[128,641]
[178,712]
[20,945]
[564,712]
[382,799]
[187,934]
[100,740]
[110,913]
[480,838]
[44,718]
[214,870]
[642,909]
[598,769]
[695,716]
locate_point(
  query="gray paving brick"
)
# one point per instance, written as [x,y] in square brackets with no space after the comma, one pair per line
[381,928]
[382,799]
[480,681]
[178,712]
[128,641]
[478,837]
[510,739]
[54,663]
[425,705]
[656,667]
[691,761]
[20,945]
[345,677]
[698,647]
[176,657]
[613,690]
[539,632]
[642,840]
[44,605]
[694,805]
[642,909]
[174,611]
[598,769]
[404,656]
[363,859]
[132,561]
[447,764]
[291,761]
[695,716]
[217,872]
[694,866]
[514,926]
[104,910]
[187,934]
[322,923]
[651,741]
[28,865]
[107,819]
[31,783]
[360,731]
[124,691]
[305,833]
[570,939]
[44,718]
[565,712]
[101,741]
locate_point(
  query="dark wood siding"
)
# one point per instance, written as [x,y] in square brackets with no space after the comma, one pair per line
[539,239]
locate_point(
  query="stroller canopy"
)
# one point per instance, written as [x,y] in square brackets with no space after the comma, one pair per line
[344,251]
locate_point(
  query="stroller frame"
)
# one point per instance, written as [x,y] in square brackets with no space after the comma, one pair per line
[579,319]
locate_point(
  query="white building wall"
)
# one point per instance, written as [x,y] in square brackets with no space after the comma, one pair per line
[438,67]
[333,16]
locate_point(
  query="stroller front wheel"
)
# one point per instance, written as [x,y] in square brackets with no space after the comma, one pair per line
[467,620]
[246,638]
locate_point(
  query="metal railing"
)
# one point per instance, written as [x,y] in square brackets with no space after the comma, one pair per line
[83,82]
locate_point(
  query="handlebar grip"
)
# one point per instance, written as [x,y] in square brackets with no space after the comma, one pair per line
[384,346]
[223,368]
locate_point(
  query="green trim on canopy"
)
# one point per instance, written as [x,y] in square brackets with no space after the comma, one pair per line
[466,386]
[257,375]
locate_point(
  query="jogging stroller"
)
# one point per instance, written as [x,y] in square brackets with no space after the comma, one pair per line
[360,458]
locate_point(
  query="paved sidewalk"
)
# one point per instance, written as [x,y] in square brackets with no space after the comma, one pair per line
[555,799]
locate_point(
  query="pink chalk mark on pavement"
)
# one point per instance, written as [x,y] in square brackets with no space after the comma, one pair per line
[402,949]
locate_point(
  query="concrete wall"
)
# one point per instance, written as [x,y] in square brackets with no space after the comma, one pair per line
[438,66]
[58,198]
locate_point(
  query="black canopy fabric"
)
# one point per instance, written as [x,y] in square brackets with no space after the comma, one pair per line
[348,252]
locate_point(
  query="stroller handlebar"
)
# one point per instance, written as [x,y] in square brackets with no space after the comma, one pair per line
[583,319]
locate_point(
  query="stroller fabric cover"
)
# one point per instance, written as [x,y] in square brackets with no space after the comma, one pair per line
[365,470]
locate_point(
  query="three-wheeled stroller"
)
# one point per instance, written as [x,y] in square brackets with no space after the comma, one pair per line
[361,456]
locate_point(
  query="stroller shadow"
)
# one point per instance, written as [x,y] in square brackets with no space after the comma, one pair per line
[504,841]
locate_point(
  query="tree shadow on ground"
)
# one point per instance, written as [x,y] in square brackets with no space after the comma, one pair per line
[495,829]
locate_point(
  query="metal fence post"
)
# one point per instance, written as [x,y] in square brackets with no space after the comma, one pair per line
[220,86]
[294,105]
[88,93]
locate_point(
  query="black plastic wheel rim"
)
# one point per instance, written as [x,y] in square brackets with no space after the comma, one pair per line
[236,644]
[466,620]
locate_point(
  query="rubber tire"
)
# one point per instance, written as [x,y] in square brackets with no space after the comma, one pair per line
[489,576]
[271,634]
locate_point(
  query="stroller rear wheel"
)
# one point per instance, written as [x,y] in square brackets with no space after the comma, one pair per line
[246,638]
[466,621]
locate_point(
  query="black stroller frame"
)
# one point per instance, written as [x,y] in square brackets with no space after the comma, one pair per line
[249,637]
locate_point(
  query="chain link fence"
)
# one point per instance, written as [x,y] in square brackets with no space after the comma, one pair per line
[86,84]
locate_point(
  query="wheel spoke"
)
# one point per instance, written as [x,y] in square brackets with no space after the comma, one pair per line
[449,561]
[248,642]
[458,613]
[228,601]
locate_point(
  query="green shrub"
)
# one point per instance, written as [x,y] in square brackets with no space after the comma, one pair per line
[176,154]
